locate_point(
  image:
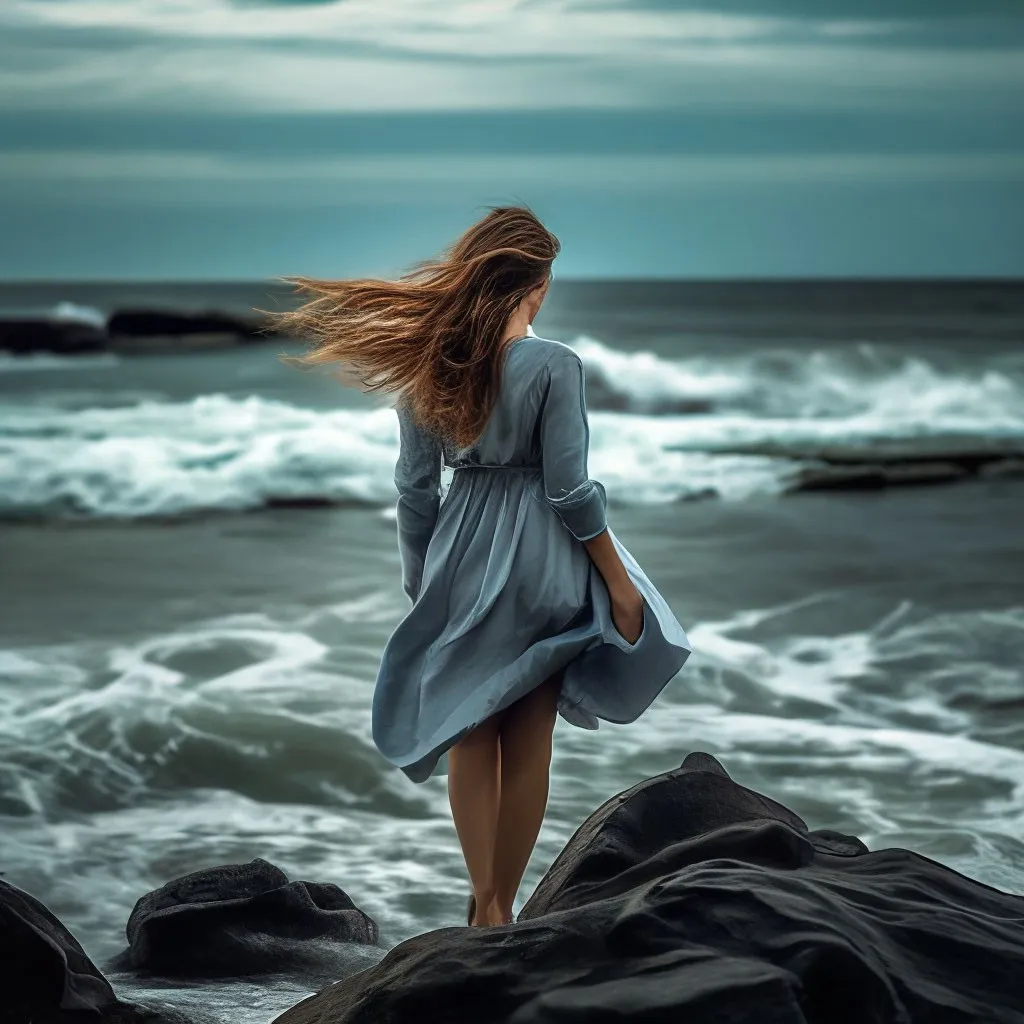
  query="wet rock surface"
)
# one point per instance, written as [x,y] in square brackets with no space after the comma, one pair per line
[690,897]
[231,922]
[242,919]
[47,978]
[687,897]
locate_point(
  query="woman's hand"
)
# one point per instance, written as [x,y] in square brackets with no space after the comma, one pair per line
[628,614]
[626,601]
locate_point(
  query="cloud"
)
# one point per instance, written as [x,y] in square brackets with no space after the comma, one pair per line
[554,28]
[203,122]
[882,9]
[361,55]
[203,180]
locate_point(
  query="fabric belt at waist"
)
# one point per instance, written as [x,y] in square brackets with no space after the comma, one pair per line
[507,467]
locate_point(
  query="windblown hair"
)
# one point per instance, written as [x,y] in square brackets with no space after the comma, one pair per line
[436,335]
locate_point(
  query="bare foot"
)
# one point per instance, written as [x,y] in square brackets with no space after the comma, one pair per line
[482,911]
[492,915]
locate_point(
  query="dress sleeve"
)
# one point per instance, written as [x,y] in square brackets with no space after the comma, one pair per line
[418,479]
[580,502]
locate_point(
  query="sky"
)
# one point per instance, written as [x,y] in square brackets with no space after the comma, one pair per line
[240,139]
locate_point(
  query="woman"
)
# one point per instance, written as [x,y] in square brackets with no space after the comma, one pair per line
[524,603]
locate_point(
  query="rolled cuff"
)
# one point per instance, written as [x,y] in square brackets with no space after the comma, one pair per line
[584,510]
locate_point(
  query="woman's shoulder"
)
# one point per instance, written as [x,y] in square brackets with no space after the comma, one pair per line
[543,360]
[548,351]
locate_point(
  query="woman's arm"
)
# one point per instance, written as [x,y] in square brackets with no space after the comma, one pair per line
[581,502]
[627,604]
[418,479]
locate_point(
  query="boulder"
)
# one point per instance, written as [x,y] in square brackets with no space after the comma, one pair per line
[632,831]
[45,967]
[692,898]
[47,978]
[244,919]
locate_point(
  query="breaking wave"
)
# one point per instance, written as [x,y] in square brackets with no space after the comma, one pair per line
[661,431]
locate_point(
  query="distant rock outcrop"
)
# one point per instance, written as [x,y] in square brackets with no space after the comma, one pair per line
[691,898]
[134,330]
[885,463]
[25,335]
[131,332]
[908,465]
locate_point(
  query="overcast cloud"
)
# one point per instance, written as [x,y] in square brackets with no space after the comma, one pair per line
[207,138]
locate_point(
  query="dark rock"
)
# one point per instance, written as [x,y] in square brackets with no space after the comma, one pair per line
[629,833]
[132,331]
[869,477]
[43,961]
[1008,469]
[969,452]
[47,978]
[308,501]
[245,919]
[62,337]
[144,329]
[888,462]
[691,898]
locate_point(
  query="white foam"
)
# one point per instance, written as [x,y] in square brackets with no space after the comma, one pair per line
[215,452]
[868,723]
[163,458]
[118,717]
[78,313]
[947,654]
[862,385]
[764,420]
[254,727]
[646,382]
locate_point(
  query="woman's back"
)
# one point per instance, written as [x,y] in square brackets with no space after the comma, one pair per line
[535,443]
[512,435]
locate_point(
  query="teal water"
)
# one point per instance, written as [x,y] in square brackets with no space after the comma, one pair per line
[185,670]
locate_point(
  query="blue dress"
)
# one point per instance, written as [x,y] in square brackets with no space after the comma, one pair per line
[503,593]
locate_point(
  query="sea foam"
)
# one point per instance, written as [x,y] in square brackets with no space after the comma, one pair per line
[661,431]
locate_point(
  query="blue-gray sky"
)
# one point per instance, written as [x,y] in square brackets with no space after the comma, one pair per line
[210,138]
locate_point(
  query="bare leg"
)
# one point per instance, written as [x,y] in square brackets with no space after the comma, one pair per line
[473,792]
[525,733]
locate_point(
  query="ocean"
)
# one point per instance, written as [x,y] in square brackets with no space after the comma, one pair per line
[198,571]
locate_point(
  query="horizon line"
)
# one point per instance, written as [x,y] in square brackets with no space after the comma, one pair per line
[957,279]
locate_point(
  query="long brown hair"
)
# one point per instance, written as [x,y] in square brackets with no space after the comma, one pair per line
[435,335]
